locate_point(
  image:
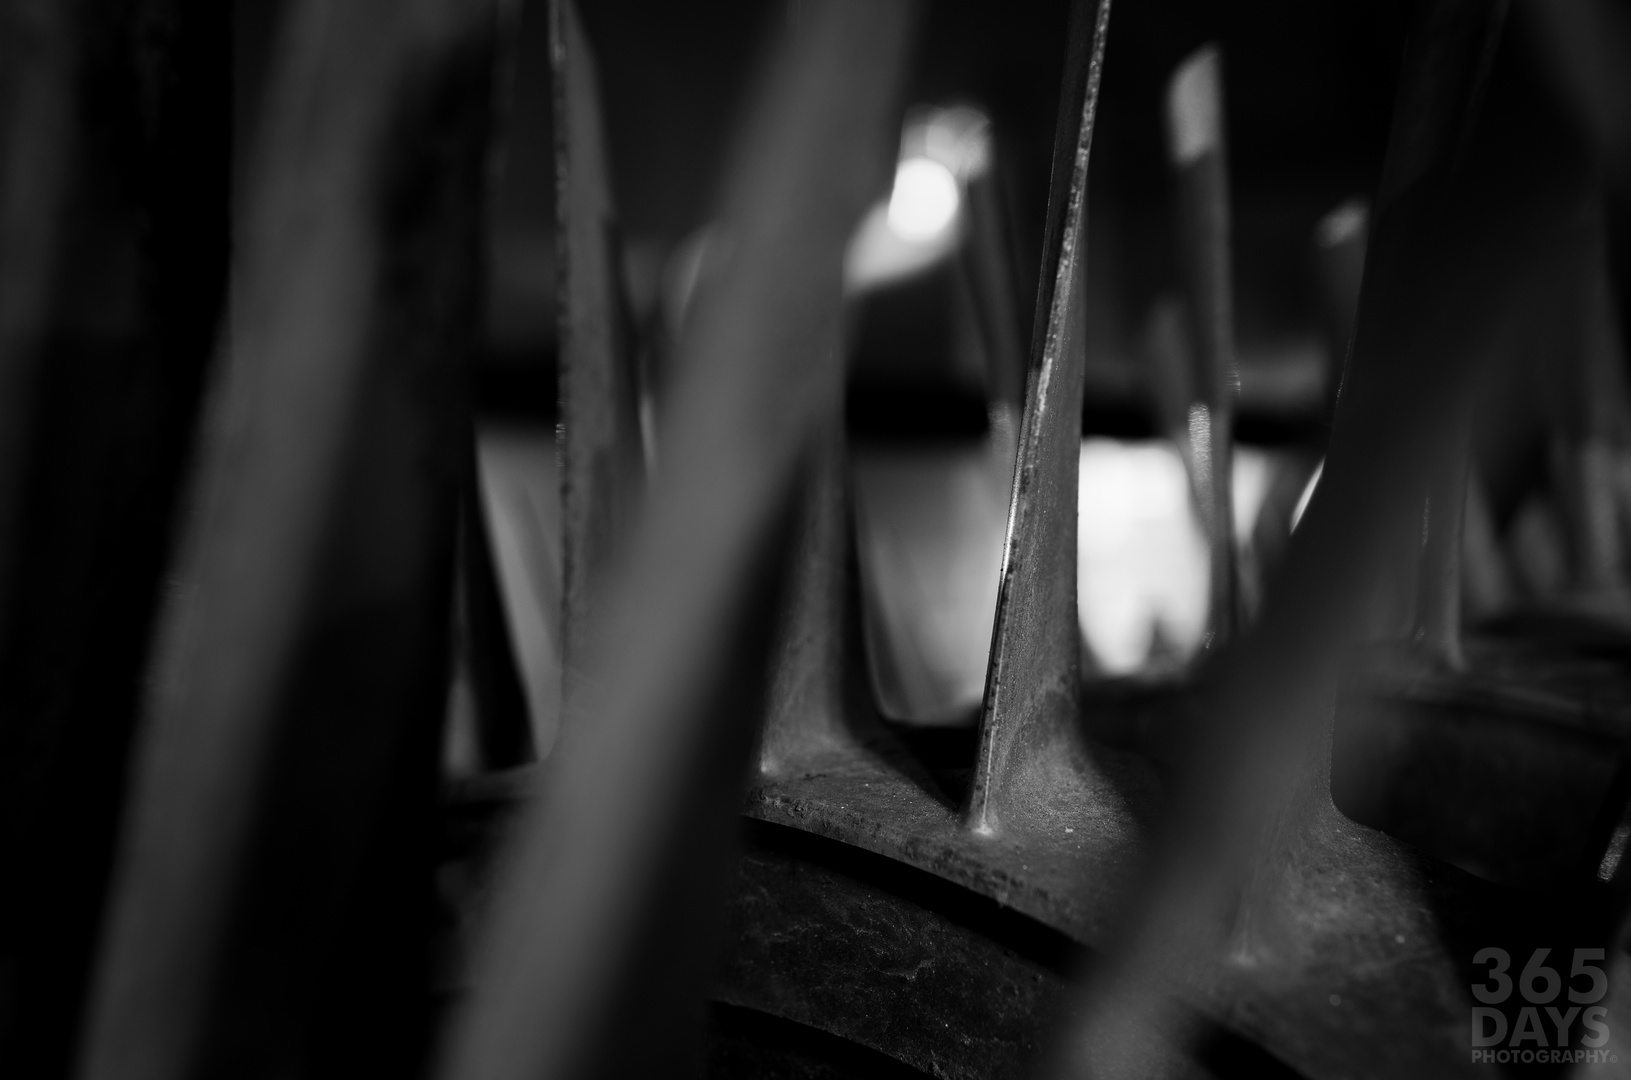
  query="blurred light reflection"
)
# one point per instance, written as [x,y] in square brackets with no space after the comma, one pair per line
[1142,570]
[925,200]
[919,224]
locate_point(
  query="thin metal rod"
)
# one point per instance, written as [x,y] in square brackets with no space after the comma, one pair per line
[1029,721]
[600,445]
[1196,154]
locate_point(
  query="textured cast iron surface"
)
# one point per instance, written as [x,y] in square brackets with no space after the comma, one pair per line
[1364,917]
[869,953]
[1065,867]
[827,948]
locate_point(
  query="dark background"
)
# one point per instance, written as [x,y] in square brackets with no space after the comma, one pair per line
[1309,96]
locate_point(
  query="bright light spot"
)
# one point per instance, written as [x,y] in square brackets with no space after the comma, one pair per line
[879,256]
[1142,565]
[1141,556]
[1308,493]
[1195,123]
[1253,470]
[924,201]
[917,226]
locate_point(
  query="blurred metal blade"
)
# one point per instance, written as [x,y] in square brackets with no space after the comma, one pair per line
[1196,155]
[114,168]
[274,874]
[806,716]
[600,446]
[611,885]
